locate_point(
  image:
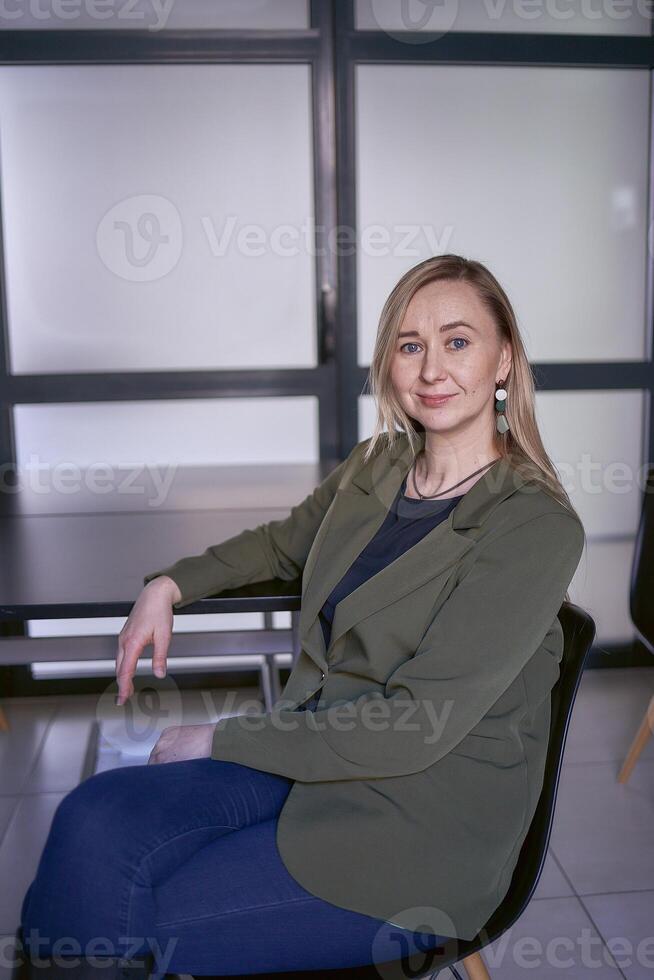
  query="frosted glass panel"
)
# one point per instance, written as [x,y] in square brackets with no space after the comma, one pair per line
[155,15]
[601,586]
[157,217]
[595,439]
[165,433]
[523,169]
[571,17]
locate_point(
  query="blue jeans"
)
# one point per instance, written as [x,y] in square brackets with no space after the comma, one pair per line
[180,859]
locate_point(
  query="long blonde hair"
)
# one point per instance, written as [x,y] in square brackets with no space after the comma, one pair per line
[522,443]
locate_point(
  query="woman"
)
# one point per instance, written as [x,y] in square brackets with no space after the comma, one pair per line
[380,808]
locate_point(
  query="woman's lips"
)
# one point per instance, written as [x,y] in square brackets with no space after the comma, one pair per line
[435,402]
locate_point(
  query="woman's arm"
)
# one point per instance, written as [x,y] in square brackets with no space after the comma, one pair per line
[278,549]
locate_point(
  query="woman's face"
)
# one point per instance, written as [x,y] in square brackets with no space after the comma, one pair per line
[448,345]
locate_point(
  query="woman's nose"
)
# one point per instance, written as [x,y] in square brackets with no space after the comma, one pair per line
[432,368]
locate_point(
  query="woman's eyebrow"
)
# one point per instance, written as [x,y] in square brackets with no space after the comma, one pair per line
[441,329]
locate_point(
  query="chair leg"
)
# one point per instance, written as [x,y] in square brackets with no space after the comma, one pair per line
[4,721]
[638,744]
[475,967]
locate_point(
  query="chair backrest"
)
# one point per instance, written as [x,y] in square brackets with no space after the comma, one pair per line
[578,636]
[641,590]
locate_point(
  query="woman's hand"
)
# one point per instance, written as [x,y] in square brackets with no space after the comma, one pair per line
[150,621]
[180,742]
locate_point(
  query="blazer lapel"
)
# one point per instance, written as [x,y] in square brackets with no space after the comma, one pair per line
[354,518]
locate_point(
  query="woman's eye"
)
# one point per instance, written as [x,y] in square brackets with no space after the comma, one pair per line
[462,346]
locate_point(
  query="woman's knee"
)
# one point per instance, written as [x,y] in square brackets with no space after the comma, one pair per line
[96,810]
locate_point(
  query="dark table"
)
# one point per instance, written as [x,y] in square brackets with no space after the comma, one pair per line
[76,543]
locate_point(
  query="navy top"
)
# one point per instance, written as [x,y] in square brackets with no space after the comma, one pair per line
[408,520]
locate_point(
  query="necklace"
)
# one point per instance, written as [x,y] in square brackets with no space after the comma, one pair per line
[430,496]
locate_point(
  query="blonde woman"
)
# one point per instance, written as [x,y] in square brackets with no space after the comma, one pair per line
[381,806]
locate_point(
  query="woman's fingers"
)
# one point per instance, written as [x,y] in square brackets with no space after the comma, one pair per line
[119,660]
[161,644]
[119,655]
[126,669]
[150,621]
[129,652]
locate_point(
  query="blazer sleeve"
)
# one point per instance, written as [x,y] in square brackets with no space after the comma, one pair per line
[278,549]
[481,638]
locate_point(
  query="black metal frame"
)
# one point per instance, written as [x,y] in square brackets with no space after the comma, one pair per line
[333,48]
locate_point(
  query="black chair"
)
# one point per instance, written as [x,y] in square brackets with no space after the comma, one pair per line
[641,608]
[578,633]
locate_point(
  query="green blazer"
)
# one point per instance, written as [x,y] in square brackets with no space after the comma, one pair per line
[418,775]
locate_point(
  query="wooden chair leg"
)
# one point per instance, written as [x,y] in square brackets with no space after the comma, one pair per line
[475,967]
[638,744]
[4,721]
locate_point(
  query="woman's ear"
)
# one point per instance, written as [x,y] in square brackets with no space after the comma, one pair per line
[506,360]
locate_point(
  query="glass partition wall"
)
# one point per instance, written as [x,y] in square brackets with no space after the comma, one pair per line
[204,206]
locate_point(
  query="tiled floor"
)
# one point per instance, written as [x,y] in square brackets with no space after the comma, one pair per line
[592,914]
